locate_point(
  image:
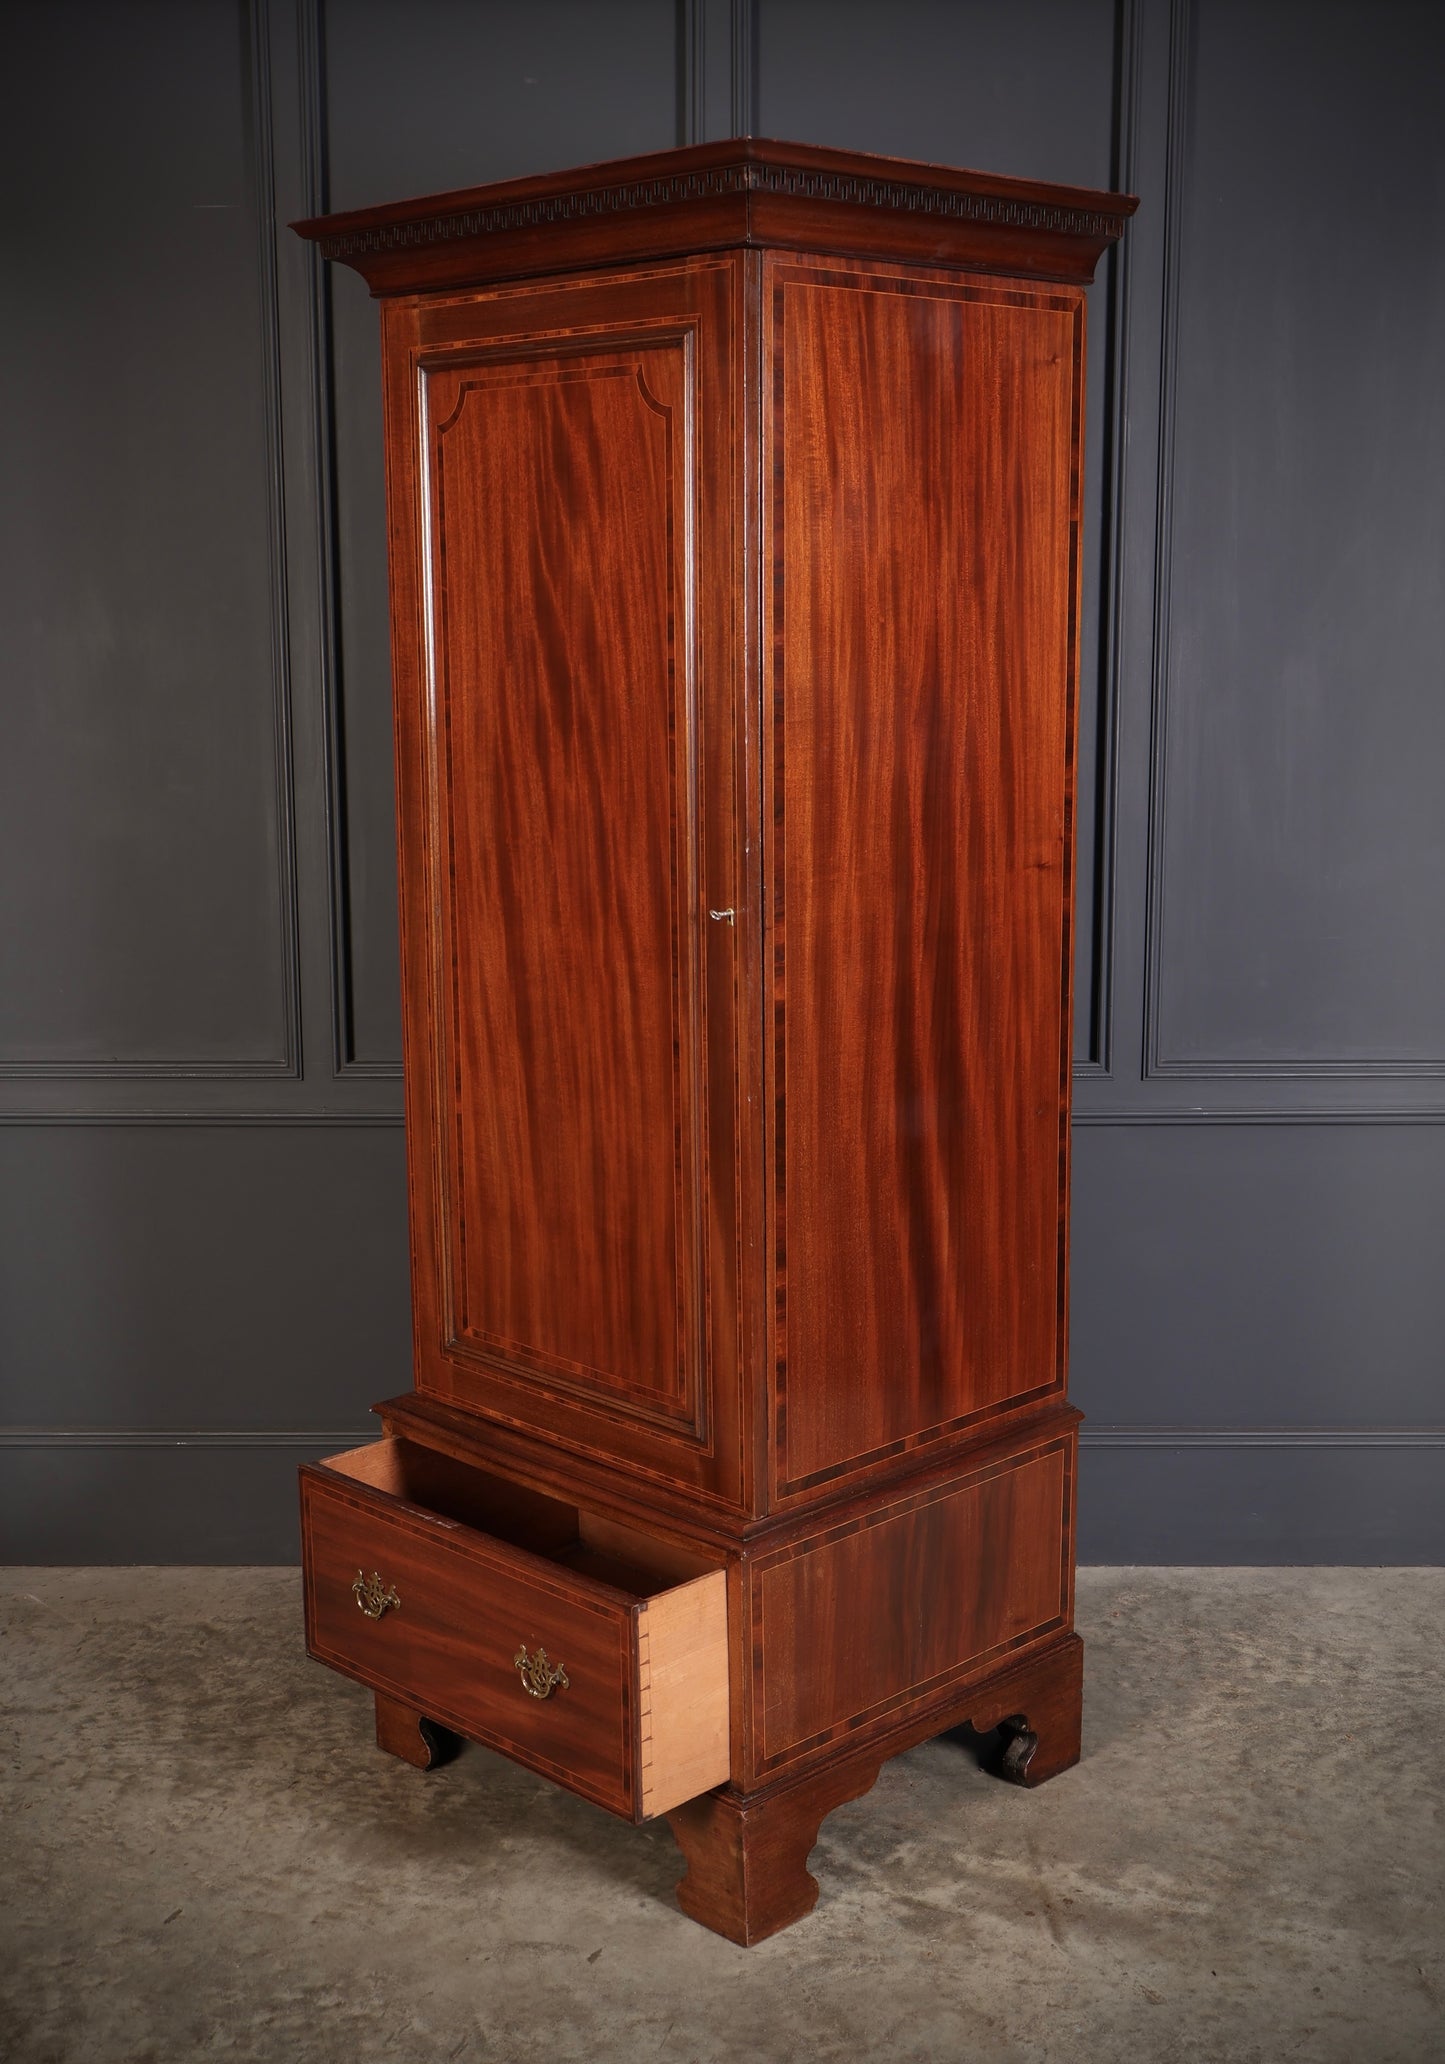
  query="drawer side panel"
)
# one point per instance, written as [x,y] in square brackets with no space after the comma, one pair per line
[682,1652]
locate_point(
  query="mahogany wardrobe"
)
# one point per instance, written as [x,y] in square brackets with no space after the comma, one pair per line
[734,524]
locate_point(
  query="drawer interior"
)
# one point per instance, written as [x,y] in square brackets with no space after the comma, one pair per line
[602,1549]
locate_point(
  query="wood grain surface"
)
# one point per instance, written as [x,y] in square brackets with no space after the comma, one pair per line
[567,816]
[474,1568]
[563,490]
[402,1731]
[448,1648]
[735,613]
[923,552]
[682,1699]
[747,1860]
[724,195]
[912,1593]
[747,1852]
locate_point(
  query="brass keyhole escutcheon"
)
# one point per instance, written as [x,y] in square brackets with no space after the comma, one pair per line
[539,1677]
[373,1597]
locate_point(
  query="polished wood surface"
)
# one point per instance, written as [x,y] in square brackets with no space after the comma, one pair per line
[923,547]
[565,709]
[710,196]
[527,1457]
[565,638]
[467,1605]
[985,1561]
[747,1852]
[1047,1698]
[747,1859]
[459,1605]
[404,1732]
[735,576]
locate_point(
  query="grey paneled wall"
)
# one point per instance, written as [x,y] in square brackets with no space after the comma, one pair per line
[1299,835]
[144,776]
[202,1228]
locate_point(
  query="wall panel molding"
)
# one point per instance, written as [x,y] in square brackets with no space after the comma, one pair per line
[1098,1062]
[183,1437]
[1262,1436]
[1164,1114]
[1181,24]
[1089,1437]
[217,1116]
[1157,1062]
[717,44]
[253,34]
[1306,1068]
[264,181]
[744,70]
[311,52]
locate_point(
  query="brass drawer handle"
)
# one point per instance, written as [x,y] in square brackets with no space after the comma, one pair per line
[373,1597]
[539,1677]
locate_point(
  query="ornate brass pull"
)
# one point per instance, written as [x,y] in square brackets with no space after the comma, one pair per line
[539,1677]
[373,1597]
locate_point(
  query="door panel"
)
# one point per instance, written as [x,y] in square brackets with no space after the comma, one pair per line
[568,937]
[565,1029]
[924,556]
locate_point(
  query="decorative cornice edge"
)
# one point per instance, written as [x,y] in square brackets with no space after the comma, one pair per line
[849,189]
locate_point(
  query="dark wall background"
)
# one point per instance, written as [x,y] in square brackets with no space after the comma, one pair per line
[203,1268]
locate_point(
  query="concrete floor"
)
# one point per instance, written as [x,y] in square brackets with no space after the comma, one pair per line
[206,1857]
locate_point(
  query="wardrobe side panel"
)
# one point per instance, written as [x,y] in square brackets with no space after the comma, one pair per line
[922,511]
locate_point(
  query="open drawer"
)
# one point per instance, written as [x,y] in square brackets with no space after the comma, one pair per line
[590,1652]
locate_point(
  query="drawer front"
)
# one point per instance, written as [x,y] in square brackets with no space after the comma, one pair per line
[464,1607]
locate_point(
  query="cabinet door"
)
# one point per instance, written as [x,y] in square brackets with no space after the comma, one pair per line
[922,540]
[563,498]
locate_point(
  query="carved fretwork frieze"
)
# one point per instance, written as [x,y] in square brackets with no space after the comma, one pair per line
[796,182]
